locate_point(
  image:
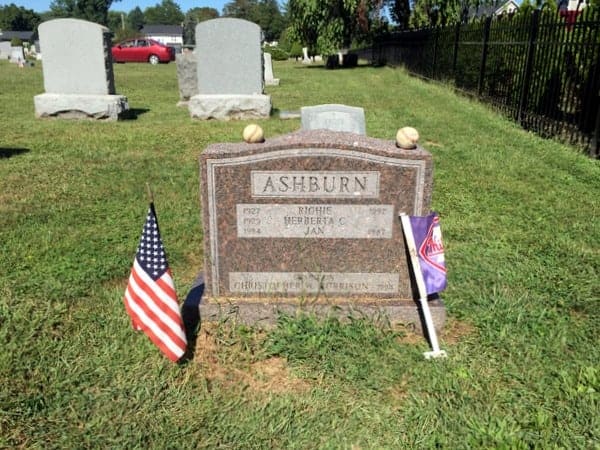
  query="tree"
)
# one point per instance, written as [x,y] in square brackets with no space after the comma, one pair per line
[400,12]
[135,18]
[192,18]
[268,16]
[17,18]
[165,13]
[265,13]
[430,13]
[326,26]
[92,10]
[242,9]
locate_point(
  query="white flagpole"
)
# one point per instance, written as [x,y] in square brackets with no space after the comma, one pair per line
[412,249]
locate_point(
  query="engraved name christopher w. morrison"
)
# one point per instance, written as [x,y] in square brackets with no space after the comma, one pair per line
[340,184]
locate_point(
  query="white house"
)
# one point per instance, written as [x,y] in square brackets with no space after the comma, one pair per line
[171,35]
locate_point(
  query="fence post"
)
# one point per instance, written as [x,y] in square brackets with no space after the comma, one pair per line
[435,45]
[455,55]
[484,52]
[533,32]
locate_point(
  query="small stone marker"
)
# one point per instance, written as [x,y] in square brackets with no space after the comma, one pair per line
[305,57]
[268,69]
[229,71]
[186,76]
[333,117]
[311,218]
[78,73]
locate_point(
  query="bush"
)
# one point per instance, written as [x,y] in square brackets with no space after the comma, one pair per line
[277,54]
[16,42]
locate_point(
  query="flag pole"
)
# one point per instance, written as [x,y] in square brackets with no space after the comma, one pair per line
[150,194]
[412,250]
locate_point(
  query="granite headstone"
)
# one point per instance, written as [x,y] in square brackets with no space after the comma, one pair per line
[5,50]
[333,117]
[186,76]
[78,73]
[17,55]
[229,71]
[311,218]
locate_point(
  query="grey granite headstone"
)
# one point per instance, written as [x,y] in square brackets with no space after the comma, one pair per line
[333,117]
[5,50]
[310,220]
[16,55]
[268,63]
[229,71]
[78,72]
[186,76]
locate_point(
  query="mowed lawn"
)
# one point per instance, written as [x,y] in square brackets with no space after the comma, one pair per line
[520,217]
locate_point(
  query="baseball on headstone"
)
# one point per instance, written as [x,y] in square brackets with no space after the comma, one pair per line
[407,138]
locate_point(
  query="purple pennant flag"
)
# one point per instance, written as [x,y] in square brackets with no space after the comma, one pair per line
[430,249]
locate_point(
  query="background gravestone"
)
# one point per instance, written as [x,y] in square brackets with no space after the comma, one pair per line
[78,75]
[5,50]
[311,218]
[333,117]
[229,71]
[16,55]
[186,76]
[268,63]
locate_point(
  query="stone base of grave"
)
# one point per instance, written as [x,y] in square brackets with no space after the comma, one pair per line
[76,106]
[230,107]
[264,313]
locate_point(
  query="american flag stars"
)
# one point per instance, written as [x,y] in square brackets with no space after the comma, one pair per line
[151,253]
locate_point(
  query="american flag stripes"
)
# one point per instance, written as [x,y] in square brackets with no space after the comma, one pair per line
[150,298]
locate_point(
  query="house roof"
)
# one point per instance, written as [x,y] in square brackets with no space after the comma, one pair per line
[494,9]
[176,30]
[23,35]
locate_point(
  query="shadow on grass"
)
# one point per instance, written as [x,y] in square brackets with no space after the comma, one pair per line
[134,113]
[190,314]
[322,66]
[7,152]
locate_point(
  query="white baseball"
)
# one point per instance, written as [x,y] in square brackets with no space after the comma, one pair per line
[407,137]
[253,134]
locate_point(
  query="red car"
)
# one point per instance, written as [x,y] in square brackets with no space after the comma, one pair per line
[142,50]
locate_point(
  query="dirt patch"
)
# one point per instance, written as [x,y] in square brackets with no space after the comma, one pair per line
[454,331]
[270,375]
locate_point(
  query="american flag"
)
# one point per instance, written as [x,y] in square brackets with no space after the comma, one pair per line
[150,298]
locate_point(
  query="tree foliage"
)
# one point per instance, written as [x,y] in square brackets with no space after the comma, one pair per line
[326,26]
[93,10]
[192,18]
[17,18]
[135,18]
[165,13]
[265,13]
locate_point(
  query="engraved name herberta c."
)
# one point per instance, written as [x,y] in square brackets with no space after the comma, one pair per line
[315,184]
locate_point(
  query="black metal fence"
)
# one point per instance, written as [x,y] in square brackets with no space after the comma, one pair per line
[543,69]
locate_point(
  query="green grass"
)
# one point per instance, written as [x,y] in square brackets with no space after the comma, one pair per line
[520,217]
